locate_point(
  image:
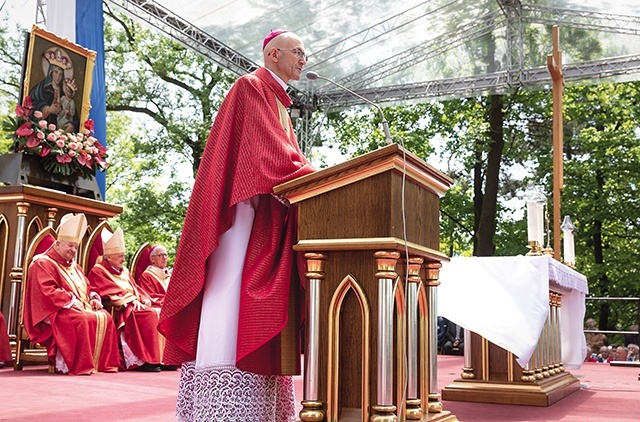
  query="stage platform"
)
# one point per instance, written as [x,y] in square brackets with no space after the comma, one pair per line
[606,393]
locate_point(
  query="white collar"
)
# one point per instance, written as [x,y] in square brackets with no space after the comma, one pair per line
[277,78]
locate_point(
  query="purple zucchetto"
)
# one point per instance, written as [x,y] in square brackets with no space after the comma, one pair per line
[274,33]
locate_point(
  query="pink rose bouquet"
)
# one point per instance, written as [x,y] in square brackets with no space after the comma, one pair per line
[60,152]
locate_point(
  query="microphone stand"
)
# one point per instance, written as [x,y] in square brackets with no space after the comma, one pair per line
[385,124]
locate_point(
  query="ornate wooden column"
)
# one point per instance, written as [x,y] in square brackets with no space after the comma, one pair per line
[414,284]
[16,270]
[432,271]
[384,410]
[312,407]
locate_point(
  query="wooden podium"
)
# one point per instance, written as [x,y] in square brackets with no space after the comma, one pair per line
[24,211]
[369,231]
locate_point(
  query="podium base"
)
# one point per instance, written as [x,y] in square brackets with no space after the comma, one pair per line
[355,415]
[542,393]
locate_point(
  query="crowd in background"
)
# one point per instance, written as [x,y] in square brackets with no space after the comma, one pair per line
[599,349]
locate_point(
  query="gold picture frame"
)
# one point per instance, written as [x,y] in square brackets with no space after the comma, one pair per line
[58,75]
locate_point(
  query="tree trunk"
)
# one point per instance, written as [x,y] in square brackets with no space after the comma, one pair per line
[486,228]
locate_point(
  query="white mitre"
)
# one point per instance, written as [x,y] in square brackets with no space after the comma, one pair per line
[72,227]
[112,243]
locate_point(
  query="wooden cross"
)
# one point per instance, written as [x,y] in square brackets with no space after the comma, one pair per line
[554,64]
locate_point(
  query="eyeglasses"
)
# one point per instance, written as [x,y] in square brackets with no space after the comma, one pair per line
[301,54]
[161,255]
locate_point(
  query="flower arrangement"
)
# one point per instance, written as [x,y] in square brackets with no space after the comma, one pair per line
[60,152]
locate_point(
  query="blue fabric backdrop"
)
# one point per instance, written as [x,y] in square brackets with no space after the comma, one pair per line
[88,32]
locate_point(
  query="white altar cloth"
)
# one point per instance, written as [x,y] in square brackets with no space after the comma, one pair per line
[506,301]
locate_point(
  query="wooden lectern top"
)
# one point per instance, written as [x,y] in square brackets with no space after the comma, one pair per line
[386,199]
[391,157]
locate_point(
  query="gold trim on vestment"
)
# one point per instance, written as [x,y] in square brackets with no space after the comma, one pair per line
[123,281]
[159,274]
[73,277]
[101,331]
[283,115]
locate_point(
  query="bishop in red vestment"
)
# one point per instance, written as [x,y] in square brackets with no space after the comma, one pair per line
[136,317]
[251,148]
[63,314]
[155,278]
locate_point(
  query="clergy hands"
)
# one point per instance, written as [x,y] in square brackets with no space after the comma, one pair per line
[96,304]
[138,306]
[76,303]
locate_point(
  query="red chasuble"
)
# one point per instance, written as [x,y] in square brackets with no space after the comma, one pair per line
[5,346]
[140,327]
[251,148]
[86,339]
[154,281]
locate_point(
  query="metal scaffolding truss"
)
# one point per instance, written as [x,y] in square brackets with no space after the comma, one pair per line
[604,22]
[398,63]
[512,14]
[375,32]
[499,82]
[179,29]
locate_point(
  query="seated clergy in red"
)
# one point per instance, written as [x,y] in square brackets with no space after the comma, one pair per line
[136,317]
[5,347]
[63,314]
[155,278]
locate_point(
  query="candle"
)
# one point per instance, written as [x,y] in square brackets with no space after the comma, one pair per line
[540,225]
[533,222]
[568,230]
[535,213]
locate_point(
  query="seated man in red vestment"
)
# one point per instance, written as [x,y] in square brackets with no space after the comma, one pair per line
[155,278]
[5,346]
[136,317]
[62,313]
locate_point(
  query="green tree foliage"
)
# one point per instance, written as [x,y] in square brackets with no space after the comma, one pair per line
[601,193]
[154,203]
[162,80]
[160,114]
[11,52]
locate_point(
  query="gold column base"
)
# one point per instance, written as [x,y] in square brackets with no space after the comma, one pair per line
[383,413]
[435,403]
[311,411]
[445,416]
[529,376]
[414,410]
[467,374]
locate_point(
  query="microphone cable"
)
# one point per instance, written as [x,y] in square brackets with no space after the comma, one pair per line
[389,141]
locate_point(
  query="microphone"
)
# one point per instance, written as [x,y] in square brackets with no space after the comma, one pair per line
[385,124]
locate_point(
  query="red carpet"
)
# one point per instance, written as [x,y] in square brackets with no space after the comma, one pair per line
[607,393]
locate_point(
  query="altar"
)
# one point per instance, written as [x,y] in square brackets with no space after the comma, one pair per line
[523,319]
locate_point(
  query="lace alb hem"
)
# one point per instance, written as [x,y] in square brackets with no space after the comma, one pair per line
[130,359]
[228,394]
